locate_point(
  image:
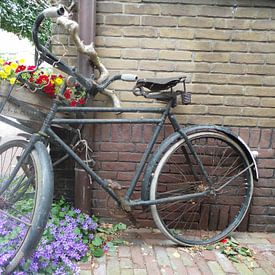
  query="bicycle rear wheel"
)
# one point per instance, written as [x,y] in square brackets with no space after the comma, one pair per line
[209,218]
[21,219]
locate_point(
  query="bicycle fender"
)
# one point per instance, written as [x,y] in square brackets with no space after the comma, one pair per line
[43,206]
[45,202]
[146,183]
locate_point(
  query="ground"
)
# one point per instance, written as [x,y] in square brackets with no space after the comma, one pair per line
[148,252]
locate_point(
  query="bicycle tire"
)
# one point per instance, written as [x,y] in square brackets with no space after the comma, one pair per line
[207,219]
[25,203]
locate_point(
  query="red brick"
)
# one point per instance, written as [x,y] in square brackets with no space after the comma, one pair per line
[209,255]
[120,147]
[137,257]
[118,166]
[130,157]
[136,135]
[265,140]
[151,265]
[105,156]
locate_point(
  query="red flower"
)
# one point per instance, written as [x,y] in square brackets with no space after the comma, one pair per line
[49,89]
[73,103]
[81,101]
[224,241]
[42,79]
[20,68]
[31,68]
[67,94]
[53,76]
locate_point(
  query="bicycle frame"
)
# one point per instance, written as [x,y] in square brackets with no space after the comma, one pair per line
[165,113]
[125,202]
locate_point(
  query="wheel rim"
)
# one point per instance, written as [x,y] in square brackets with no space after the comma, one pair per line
[210,218]
[17,203]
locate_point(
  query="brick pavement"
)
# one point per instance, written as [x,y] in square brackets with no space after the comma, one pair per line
[150,253]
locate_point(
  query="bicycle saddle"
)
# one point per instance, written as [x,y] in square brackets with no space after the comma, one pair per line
[158,84]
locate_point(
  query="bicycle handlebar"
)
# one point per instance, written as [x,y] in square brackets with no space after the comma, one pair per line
[53,12]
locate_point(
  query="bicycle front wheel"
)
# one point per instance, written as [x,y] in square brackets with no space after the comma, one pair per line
[207,218]
[21,221]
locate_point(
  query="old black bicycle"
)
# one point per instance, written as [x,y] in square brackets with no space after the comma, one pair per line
[198,183]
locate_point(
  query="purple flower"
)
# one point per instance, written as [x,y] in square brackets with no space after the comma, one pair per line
[61,246]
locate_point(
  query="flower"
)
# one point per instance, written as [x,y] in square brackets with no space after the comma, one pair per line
[12,80]
[73,103]
[3,75]
[224,241]
[58,81]
[40,79]
[67,94]
[14,65]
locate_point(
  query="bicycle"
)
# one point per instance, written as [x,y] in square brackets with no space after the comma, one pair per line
[197,175]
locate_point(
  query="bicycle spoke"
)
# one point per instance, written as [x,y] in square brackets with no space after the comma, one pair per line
[14,218]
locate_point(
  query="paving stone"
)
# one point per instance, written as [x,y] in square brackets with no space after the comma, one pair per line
[127,272]
[259,271]
[186,258]
[99,266]
[242,268]
[166,270]
[137,257]
[113,266]
[202,265]
[124,251]
[151,265]
[193,271]
[165,260]
[162,256]
[176,262]
[215,268]
[225,263]
[140,272]
[271,240]
[126,263]
[209,255]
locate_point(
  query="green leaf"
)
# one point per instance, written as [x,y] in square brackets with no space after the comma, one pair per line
[118,241]
[77,231]
[119,226]
[97,241]
[98,252]
[233,259]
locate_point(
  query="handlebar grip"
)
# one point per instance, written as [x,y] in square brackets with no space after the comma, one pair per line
[129,77]
[53,12]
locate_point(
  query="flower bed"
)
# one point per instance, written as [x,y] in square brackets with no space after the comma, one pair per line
[70,236]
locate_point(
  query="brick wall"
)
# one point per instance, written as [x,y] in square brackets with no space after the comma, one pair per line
[227,53]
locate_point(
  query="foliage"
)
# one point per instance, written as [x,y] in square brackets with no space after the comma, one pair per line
[70,236]
[106,238]
[18,16]
[232,249]
[40,79]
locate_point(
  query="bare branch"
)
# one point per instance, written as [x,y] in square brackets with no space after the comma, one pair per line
[73,28]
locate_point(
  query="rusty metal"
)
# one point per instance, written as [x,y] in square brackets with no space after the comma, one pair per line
[87,25]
